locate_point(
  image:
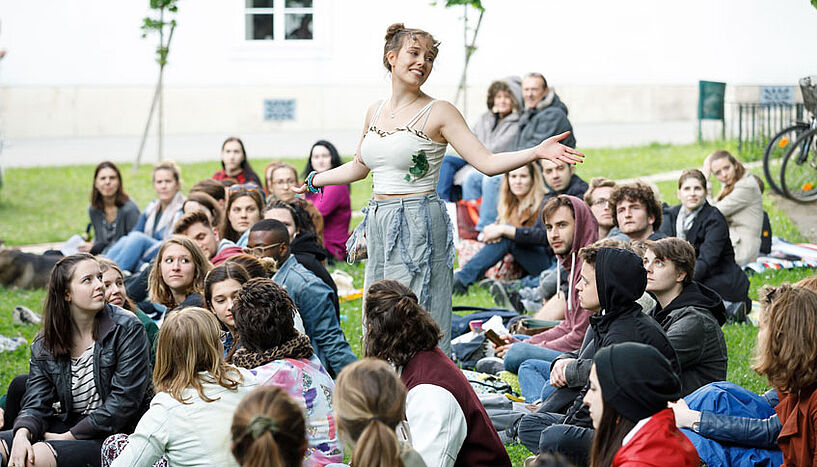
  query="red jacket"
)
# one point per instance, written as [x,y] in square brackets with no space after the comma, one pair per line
[658,443]
[798,437]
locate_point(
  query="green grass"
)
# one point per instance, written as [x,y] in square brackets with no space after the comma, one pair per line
[50,204]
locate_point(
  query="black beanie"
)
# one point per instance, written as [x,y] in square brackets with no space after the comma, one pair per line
[636,379]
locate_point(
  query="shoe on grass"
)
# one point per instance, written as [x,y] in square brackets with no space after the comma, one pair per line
[490,365]
[459,287]
[22,316]
[500,296]
[486,283]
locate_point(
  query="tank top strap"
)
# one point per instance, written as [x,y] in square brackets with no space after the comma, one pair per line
[425,111]
[377,113]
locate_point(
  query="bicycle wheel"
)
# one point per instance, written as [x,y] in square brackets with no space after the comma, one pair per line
[776,149]
[798,171]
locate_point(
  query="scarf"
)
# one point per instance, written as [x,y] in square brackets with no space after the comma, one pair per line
[685,220]
[168,217]
[297,347]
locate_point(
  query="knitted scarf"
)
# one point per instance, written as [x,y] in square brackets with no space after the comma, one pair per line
[297,347]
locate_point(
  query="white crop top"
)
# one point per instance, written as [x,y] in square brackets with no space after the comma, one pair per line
[391,155]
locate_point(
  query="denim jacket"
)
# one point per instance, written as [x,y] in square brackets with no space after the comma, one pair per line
[313,298]
[121,376]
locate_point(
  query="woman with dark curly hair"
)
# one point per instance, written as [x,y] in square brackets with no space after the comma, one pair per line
[281,355]
[446,418]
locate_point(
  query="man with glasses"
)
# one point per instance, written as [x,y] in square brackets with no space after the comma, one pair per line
[313,298]
[597,197]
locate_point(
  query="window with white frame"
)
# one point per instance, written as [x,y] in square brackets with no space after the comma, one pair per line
[278,20]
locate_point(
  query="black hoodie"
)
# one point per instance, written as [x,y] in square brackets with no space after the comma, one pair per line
[693,322]
[309,252]
[620,280]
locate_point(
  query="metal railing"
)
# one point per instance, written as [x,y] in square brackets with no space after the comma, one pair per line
[757,123]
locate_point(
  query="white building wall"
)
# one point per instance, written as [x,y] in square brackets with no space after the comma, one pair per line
[81,69]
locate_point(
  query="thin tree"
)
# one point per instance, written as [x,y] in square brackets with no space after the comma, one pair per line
[164,8]
[470,45]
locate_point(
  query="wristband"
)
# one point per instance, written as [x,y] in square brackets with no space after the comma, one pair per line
[310,186]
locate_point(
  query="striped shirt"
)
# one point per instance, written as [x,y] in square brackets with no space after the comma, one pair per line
[83,388]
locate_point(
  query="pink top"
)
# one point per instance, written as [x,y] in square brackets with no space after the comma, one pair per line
[335,205]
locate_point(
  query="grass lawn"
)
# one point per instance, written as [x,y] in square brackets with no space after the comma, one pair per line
[50,204]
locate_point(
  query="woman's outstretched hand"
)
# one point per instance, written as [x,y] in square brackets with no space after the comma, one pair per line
[556,152]
[301,189]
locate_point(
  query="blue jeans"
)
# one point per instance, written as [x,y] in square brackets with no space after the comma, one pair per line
[449,167]
[132,250]
[534,380]
[478,185]
[521,351]
[533,259]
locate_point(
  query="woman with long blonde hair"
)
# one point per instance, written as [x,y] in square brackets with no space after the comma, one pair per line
[739,201]
[196,391]
[370,402]
[177,277]
[521,196]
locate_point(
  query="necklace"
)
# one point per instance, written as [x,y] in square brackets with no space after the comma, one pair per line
[393,111]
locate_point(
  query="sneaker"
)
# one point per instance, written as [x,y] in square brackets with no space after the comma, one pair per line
[500,296]
[486,283]
[518,303]
[459,288]
[22,316]
[506,437]
[490,365]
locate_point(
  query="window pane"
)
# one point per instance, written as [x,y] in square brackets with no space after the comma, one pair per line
[259,27]
[299,26]
[259,3]
[299,3]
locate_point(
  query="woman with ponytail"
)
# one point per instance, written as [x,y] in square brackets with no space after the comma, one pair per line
[370,402]
[403,142]
[448,423]
[268,430]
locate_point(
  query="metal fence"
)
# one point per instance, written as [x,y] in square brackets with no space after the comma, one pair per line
[757,123]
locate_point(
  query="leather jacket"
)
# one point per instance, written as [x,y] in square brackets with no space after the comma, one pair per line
[121,374]
[744,431]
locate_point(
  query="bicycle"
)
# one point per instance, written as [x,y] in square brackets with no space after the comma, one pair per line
[777,148]
[798,170]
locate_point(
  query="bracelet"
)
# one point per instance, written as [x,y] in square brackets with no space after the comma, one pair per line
[310,186]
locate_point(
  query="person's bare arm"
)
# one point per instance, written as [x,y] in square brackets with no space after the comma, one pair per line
[553,309]
[456,132]
[349,172]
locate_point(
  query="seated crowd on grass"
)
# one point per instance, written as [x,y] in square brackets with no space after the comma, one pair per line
[218,306]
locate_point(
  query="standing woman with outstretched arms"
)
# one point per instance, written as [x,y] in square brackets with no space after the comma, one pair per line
[407,230]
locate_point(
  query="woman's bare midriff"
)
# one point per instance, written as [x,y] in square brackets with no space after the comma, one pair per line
[381,197]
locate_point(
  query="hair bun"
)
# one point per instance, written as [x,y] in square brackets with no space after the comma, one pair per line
[393,30]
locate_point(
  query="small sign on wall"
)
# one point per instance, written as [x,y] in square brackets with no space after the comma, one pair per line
[777,95]
[277,110]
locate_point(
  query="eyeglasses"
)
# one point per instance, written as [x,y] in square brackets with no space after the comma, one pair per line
[259,250]
[602,202]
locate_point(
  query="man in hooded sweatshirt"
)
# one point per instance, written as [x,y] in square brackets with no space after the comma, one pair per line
[570,226]
[611,280]
[690,313]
